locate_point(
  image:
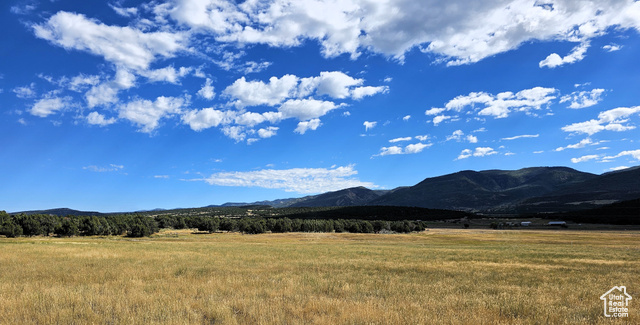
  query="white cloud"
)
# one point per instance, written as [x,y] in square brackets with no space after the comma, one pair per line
[206,91]
[584,158]
[98,169]
[610,120]
[307,125]
[612,47]
[25,91]
[478,152]
[635,154]
[125,12]
[521,136]
[500,105]
[618,168]
[422,137]
[415,148]
[578,145]
[471,138]
[106,93]
[393,150]
[300,180]
[582,99]
[361,92]
[235,132]
[166,74]
[334,84]
[147,114]
[484,151]
[50,105]
[96,118]
[123,46]
[267,132]
[406,118]
[400,139]
[440,118]
[408,149]
[434,111]
[554,60]
[306,109]
[254,93]
[459,32]
[205,118]
[458,135]
[369,125]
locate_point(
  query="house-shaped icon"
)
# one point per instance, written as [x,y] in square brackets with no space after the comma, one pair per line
[616,301]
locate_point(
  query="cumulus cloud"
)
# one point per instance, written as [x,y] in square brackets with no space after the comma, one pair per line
[333,84]
[369,125]
[146,114]
[406,118]
[96,118]
[124,46]
[206,91]
[458,135]
[300,180]
[502,104]
[610,120]
[50,105]
[521,136]
[206,118]
[459,32]
[478,152]
[434,111]
[584,158]
[254,93]
[306,109]
[361,92]
[106,93]
[166,74]
[582,99]
[267,132]
[440,118]
[408,149]
[25,91]
[304,126]
[554,60]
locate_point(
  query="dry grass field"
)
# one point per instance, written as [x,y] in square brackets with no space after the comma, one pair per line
[445,276]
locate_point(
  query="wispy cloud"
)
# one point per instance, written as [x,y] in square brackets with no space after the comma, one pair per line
[521,136]
[103,169]
[300,180]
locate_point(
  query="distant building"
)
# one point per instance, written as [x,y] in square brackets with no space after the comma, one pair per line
[557,223]
[525,223]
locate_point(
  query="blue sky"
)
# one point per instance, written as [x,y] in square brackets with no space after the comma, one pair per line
[130,105]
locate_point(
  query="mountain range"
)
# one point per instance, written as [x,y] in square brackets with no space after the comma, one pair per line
[522,191]
[527,190]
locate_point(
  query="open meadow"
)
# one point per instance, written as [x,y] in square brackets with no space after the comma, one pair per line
[440,276]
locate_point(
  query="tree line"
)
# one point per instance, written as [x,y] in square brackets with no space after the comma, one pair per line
[47,225]
[140,225]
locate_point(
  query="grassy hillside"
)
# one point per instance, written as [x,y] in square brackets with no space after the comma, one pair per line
[436,277]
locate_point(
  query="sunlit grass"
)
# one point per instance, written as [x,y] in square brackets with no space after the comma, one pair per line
[439,276]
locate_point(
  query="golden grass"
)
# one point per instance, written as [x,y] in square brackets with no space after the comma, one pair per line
[442,276]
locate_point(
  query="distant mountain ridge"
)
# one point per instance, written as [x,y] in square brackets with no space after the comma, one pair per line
[61,212]
[522,191]
[527,190]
